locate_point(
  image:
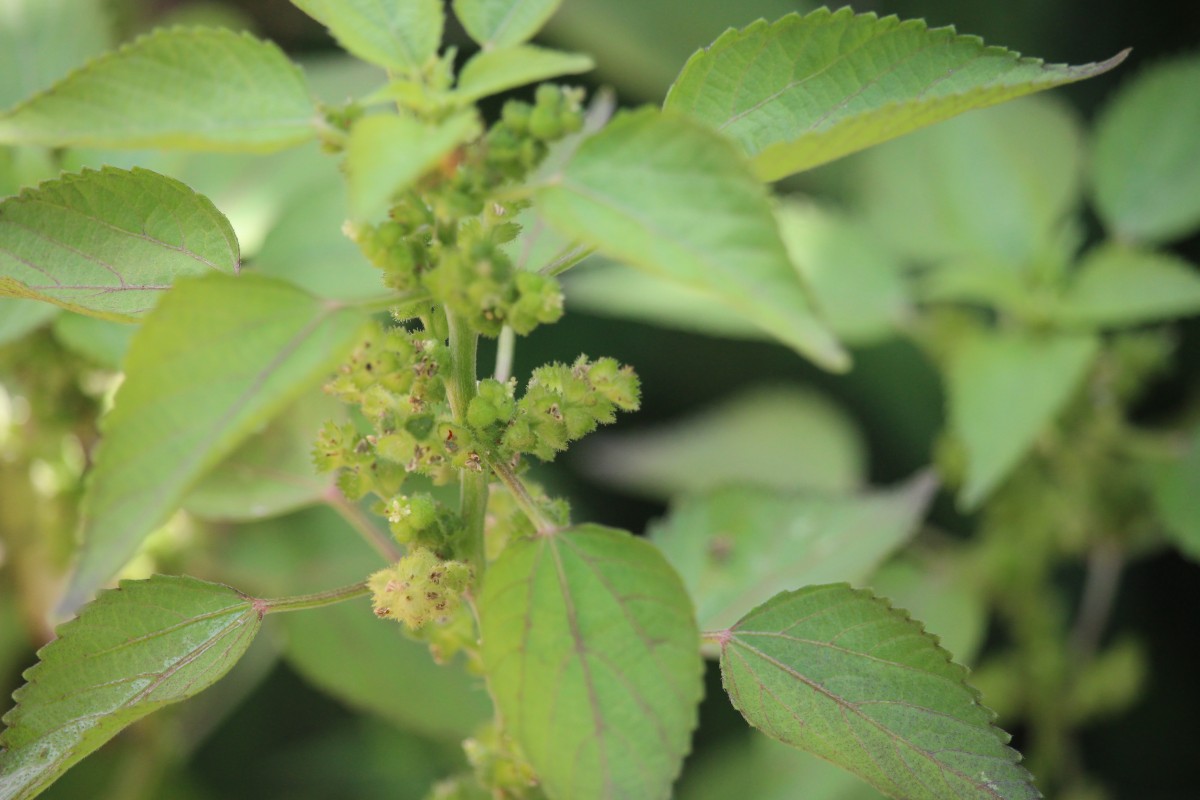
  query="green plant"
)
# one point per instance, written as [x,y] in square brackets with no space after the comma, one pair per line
[589,638]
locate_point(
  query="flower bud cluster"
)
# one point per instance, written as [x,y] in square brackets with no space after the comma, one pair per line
[419,589]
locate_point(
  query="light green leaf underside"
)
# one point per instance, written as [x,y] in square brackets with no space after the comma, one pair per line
[784,438]
[805,90]
[217,358]
[592,655]
[1146,164]
[1175,486]
[493,71]
[110,243]
[102,342]
[42,40]
[387,153]
[390,676]
[839,673]
[1004,390]
[272,472]
[132,651]
[976,187]
[664,194]
[1118,286]
[735,548]
[503,23]
[398,34]
[19,317]
[184,88]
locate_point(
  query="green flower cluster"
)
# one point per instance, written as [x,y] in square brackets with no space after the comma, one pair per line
[419,589]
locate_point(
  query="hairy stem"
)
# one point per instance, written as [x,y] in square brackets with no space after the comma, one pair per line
[317,600]
[520,493]
[460,390]
[1104,566]
[354,516]
[505,346]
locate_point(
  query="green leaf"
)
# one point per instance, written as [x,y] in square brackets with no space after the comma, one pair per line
[784,438]
[737,547]
[592,655]
[42,40]
[977,187]
[181,88]
[763,769]
[272,472]
[217,358]
[839,673]
[493,71]
[1145,174]
[109,243]
[1175,486]
[1004,390]
[100,341]
[668,196]
[503,23]
[806,90]
[855,281]
[131,652]
[397,34]
[387,153]
[1118,286]
[390,676]
[19,317]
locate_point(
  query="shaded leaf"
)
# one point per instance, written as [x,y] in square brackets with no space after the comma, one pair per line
[19,317]
[217,358]
[839,673]
[805,90]
[100,341]
[994,185]
[129,653]
[493,71]
[666,195]
[109,243]
[42,40]
[1119,286]
[201,89]
[735,548]
[398,35]
[1005,388]
[387,153]
[778,437]
[1175,486]
[503,23]
[592,655]
[1145,167]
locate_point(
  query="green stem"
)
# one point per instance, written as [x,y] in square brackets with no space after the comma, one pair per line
[355,518]
[520,493]
[317,600]
[460,390]
[567,259]
[505,346]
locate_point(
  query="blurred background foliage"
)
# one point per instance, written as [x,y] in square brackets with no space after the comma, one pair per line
[720,405]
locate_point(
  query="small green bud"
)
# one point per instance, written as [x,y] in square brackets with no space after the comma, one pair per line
[544,123]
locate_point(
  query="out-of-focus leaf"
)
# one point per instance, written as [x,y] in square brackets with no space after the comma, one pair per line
[110,243]
[129,653]
[839,673]
[397,35]
[493,71]
[387,152]
[855,282]
[1146,164]
[805,90]
[664,194]
[1176,490]
[272,472]
[938,589]
[217,358]
[42,40]
[198,89]
[736,548]
[992,185]
[1005,388]
[1118,286]
[19,317]
[345,650]
[763,769]
[592,655]
[784,438]
[100,341]
[503,23]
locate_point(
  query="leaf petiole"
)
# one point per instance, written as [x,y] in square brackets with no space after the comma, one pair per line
[306,601]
